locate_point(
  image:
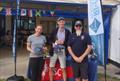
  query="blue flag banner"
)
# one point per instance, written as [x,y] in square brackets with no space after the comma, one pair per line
[96,29]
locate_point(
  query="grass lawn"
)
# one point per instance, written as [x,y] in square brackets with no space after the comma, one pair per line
[100,78]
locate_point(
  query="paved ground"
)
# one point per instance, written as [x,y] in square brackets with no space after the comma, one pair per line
[7,64]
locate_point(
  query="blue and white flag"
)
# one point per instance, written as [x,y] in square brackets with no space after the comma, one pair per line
[96,29]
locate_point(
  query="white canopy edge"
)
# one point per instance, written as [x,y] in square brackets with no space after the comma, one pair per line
[104,2]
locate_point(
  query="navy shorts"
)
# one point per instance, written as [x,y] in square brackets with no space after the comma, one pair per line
[80,70]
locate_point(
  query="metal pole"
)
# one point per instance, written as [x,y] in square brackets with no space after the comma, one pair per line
[105,68]
[15,34]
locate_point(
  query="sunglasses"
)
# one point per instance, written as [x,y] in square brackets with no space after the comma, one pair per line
[78,25]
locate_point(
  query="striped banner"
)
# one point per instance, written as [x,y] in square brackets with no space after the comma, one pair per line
[96,32]
[96,29]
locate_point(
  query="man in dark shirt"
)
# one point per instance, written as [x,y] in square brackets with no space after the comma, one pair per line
[79,46]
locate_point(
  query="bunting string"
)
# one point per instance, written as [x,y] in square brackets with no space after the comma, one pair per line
[27,12]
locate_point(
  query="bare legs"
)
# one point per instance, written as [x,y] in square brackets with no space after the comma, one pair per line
[64,74]
[51,74]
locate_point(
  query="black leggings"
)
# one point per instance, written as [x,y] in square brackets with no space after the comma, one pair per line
[36,65]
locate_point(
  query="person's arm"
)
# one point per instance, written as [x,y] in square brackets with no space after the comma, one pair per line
[69,45]
[67,35]
[44,46]
[29,47]
[87,51]
[29,44]
[72,54]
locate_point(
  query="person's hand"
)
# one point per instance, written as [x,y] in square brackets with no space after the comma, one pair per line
[59,41]
[45,49]
[80,59]
[32,51]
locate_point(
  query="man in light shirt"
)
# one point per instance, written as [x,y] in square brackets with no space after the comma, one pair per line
[59,38]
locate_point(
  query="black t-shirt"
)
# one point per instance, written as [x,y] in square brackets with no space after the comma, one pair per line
[79,43]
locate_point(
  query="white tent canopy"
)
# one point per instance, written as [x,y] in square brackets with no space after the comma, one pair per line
[104,2]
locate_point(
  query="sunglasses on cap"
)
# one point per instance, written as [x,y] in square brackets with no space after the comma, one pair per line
[78,25]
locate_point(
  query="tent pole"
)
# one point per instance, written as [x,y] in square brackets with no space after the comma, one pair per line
[104,50]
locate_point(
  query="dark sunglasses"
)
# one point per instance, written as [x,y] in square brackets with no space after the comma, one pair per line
[78,25]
